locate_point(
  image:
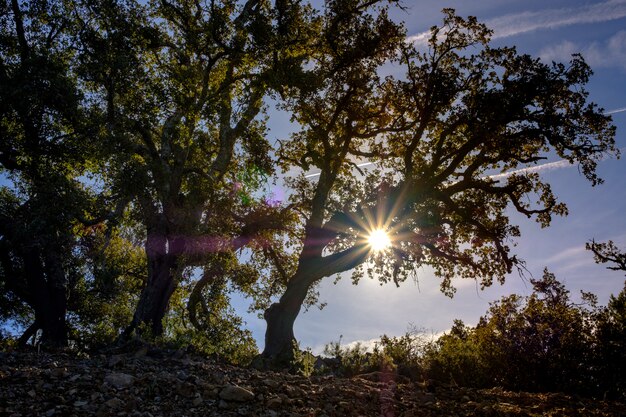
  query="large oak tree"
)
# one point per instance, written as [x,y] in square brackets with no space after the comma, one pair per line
[181,86]
[42,151]
[450,139]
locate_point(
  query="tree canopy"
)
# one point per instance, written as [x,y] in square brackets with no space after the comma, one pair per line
[142,127]
[450,139]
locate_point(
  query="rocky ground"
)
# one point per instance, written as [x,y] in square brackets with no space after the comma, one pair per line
[175,384]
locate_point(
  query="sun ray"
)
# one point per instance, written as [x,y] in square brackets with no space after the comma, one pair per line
[378,240]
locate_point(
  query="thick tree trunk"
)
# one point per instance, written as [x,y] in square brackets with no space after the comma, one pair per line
[48,288]
[54,311]
[280,318]
[155,297]
[53,317]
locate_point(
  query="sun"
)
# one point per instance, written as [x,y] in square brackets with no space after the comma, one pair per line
[378,240]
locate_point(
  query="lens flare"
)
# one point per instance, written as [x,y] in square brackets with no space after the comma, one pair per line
[378,240]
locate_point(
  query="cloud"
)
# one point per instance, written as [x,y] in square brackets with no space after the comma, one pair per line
[550,166]
[620,110]
[518,23]
[569,254]
[610,53]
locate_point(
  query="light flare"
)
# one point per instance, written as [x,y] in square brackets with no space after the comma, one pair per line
[379,240]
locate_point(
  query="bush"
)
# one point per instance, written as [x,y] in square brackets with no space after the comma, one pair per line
[543,342]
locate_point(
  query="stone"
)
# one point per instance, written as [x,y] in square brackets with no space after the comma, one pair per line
[272,383]
[275,402]
[119,380]
[114,403]
[236,393]
[115,360]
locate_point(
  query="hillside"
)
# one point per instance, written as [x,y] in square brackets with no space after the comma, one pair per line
[158,383]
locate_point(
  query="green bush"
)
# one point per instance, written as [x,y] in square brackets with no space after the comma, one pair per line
[543,342]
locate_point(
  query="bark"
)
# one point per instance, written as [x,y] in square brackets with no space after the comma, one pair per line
[154,299]
[48,298]
[281,316]
[53,318]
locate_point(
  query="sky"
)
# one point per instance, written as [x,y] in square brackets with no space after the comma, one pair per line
[553,31]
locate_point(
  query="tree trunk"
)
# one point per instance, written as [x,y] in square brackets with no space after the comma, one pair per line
[46,284]
[280,318]
[54,310]
[155,297]
[53,317]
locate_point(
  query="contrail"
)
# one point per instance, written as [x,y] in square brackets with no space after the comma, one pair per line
[620,110]
[543,167]
[525,22]
[562,163]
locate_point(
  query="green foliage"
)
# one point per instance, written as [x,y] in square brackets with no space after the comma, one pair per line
[403,355]
[543,342]
[456,357]
[103,303]
[349,360]
[303,362]
[611,346]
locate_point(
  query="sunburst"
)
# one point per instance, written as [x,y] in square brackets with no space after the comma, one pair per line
[378,240]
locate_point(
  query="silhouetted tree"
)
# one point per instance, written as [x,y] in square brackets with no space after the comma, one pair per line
[608,252]
[42,151]
[449,139]
[180,86]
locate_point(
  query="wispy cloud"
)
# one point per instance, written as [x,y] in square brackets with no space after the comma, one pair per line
[620,110]
[550,166]
[515,24]
[567,255]
[611,53]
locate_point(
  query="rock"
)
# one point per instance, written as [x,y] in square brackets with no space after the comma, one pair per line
[115,360]
[272,383]
[185,389]
[236,393]
[114,403]
[59,372]
[275,402]
[142,352]
[154,388]
[119,380]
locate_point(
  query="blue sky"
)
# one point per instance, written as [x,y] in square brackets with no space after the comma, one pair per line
[552,30]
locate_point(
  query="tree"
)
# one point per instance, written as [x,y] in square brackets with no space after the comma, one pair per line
[449,139]
[608,252]
[180,87]
[611,355]
[42,152]
[611,333]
